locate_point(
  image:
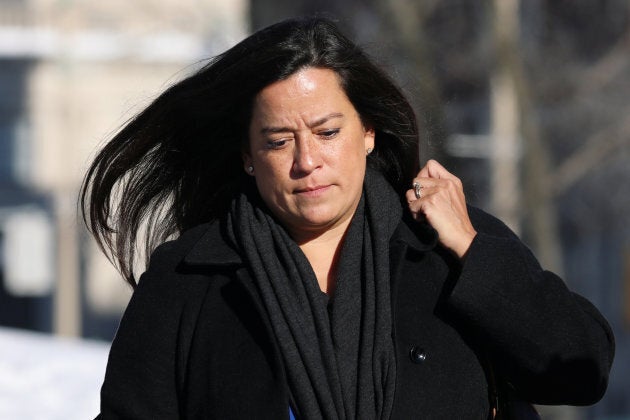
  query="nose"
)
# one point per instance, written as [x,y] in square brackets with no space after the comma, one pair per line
[306,156]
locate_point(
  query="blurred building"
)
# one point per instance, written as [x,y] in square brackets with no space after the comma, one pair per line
[71,73]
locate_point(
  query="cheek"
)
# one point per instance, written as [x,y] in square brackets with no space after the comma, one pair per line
[269,179]
[266,191]
[354,154]
[270,169]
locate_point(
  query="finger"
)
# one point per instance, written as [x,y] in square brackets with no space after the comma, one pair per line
[424,172]
[436,170]
[424,183]
[417,188]
[428,194]
[415,206]
[452,185]
[410,195]
[433,169]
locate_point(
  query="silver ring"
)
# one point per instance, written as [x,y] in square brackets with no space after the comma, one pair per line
[417,189]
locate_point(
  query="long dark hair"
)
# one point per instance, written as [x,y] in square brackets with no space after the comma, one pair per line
[178,163]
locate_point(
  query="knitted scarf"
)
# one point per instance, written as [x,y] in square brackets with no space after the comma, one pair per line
[338,353]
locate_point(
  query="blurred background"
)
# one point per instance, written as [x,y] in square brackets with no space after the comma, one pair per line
[527,101]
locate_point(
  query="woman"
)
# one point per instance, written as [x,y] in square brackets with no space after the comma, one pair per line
[317,273]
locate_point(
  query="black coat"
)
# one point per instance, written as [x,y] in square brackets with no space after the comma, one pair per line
[195,342]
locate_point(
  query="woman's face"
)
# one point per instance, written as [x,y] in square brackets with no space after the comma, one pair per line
[307,146]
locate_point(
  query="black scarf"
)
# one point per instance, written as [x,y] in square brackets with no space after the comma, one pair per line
[338,355]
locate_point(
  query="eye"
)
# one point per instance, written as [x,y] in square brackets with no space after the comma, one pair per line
[328,134]
[276,144]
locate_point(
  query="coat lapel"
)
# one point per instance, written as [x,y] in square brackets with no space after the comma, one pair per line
[213,249]
[417,237]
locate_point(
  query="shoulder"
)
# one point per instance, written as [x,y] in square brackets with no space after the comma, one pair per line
[203,245]
[168,254]
[181,263]
[171,288]
[172,252]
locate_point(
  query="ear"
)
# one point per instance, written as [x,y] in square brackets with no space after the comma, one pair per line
[369,136]
[248,164]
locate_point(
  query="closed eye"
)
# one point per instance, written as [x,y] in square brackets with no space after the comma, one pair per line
[276,144]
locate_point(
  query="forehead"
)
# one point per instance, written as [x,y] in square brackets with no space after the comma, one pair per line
[308,91]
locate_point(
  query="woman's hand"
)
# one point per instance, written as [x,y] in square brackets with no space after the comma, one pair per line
[443,205]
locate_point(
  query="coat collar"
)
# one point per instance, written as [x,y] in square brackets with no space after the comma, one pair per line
[212,247]
[419,236]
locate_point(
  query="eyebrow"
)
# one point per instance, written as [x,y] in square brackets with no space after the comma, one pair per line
[271,130]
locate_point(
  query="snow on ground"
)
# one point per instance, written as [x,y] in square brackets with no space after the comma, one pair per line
[47,378]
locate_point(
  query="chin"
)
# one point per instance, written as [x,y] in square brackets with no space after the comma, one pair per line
[313,221]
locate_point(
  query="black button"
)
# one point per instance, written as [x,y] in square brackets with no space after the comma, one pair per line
[417,354]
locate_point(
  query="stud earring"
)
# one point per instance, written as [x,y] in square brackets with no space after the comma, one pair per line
[250,169]
[368,151]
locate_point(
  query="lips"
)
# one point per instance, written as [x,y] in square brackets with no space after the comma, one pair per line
[312,191]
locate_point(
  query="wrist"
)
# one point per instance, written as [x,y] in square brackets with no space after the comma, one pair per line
[461,250]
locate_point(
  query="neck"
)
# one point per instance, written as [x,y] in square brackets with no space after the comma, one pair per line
[322,251]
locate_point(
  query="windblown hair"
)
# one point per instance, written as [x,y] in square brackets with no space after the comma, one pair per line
[178,162]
